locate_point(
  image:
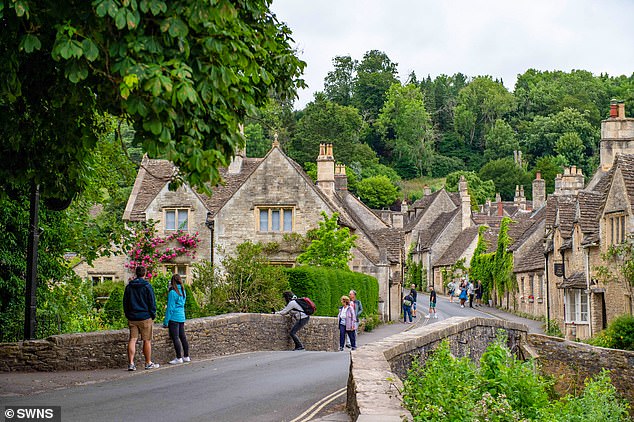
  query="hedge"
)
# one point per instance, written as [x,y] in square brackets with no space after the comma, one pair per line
[325,287]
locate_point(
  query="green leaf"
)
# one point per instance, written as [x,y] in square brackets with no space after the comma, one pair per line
[102,8]
[21,8]
[178,28]
[91,52]
[68,48]
[155,126]
[30,43]
[132,19]
[120,19]
[154,86]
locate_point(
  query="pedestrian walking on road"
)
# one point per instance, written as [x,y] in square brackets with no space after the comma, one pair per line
[407,308]
[471,293]
[347,319]
[463,293]
[414,294]
[451,286]
[139,307]
[432,303]
[358,308]
[478,293]
[296,312]
[175,319]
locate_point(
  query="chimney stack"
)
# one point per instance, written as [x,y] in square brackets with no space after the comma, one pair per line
[235,166]
[426,190]
[570,183]
[326,169]
[498,199]
[539,191]
[465,202]
[341,178]
[617,135]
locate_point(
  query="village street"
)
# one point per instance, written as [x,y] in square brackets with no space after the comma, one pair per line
[263,386]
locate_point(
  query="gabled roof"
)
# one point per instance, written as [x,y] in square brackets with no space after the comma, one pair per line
[530,260]
[524,229]
[392,240]
[626,163]
[458,247]
[221,193]
[565,215]
[426,238]
[590,205]
[421,206]
[152,177]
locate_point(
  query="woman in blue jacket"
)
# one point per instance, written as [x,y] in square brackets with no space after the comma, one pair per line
[175,319]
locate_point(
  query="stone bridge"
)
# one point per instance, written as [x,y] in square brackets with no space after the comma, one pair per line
[376,369]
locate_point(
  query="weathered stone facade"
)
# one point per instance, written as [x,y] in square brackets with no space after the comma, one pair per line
[570,363]
[208,337]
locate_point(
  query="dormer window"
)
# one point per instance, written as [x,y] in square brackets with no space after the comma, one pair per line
[176,219]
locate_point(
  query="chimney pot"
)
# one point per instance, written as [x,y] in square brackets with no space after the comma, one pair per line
[538,175]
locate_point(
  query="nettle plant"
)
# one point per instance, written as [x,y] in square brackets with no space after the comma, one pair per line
[149,249]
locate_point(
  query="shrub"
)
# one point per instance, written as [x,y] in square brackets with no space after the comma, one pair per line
[618,335]
[325,286]
[112,313]
[503,388]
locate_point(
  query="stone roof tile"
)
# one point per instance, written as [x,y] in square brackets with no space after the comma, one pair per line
[426,238]
[458,247]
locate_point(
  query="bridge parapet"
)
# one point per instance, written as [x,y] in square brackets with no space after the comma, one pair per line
[211,336]
[377,370]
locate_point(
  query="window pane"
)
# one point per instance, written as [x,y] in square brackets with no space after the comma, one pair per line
[170,220]
[288,220]
[182,219]
[264,220]
[584,306]
[275,220]
[622,229]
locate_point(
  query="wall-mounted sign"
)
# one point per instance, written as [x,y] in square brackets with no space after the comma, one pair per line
[559,269]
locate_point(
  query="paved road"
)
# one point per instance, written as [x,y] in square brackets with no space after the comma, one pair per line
[264,386]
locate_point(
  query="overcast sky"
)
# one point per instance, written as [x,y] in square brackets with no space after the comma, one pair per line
[475,37]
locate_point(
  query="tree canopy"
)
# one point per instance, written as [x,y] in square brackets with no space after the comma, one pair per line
[184,73]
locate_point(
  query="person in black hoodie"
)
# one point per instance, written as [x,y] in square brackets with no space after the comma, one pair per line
[139,306]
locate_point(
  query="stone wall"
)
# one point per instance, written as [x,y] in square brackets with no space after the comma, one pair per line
[376,370]
[208,337]
[570,363]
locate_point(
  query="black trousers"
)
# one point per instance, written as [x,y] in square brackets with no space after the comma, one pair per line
[296,327]
[179,338]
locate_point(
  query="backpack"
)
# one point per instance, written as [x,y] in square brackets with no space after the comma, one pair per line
[407,300]
[307,305]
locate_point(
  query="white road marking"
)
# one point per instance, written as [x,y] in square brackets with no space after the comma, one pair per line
[315,408]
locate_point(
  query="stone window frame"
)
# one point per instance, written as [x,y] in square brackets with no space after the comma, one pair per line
[271,209]
[616,228]
[574,301]
[177,211]
[97,278]
[183,271]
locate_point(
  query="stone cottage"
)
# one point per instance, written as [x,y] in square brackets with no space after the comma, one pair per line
[262,200]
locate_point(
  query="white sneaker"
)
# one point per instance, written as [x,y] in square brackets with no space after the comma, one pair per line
[462,306]
[435,316]
[176,361]
[187,359]
[427,316]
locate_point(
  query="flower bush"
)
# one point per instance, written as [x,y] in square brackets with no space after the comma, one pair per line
[149,250]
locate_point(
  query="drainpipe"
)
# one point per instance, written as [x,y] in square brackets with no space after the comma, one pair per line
[210,225]
[547,295]
[586,253]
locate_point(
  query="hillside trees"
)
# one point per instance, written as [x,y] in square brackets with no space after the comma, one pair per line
[406,130]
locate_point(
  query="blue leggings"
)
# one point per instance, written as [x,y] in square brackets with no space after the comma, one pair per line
[407,310]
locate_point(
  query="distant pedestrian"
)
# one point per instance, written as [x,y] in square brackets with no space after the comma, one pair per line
[432,303]
[139,307]
[470,293]
[407,308]
[358,308]
[451,286]
[296,312]
[478,293]
[175,319]
[463,293]
[347,319]
[414,294]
